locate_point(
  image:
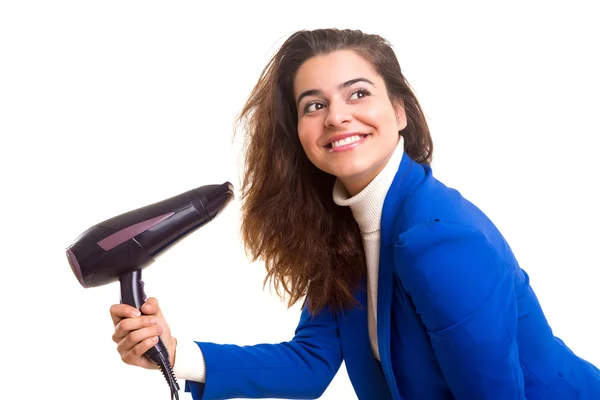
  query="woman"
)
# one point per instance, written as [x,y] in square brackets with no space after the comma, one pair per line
[404,279]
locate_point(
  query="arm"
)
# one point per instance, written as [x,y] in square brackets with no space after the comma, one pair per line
[301,368]
[464,294]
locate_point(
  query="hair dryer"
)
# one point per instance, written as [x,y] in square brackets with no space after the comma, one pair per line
[119,248]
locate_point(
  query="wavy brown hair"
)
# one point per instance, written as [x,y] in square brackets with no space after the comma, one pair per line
[311,247]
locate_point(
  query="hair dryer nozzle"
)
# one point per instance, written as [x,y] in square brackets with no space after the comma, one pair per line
[215,197]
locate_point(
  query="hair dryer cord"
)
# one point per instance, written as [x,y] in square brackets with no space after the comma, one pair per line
[167,371]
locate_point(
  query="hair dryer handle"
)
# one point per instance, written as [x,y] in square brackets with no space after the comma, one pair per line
[132,293]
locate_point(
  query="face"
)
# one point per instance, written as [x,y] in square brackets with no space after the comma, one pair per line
[347,124]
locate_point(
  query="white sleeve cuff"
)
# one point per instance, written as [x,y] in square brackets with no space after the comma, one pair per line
[189,362]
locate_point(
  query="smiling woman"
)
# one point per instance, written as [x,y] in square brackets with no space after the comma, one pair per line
[402,277]
[347,129]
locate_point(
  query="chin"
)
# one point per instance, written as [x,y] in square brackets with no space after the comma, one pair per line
[349,173]
[349,168]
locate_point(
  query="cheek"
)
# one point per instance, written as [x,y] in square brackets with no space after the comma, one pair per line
[383,118]
[304,141]
[307,133]
[302,135]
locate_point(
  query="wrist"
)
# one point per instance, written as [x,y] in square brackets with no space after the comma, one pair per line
[174,352]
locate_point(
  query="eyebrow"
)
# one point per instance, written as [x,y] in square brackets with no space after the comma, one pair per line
[316,92]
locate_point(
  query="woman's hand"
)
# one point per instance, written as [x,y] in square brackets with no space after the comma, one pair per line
[136,333]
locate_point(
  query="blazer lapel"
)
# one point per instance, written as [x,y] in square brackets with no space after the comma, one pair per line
[361,365]
[409,175]
[385,287]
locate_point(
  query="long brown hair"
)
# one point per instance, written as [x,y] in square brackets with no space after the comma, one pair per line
[310,246]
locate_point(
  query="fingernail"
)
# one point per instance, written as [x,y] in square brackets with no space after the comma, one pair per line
[136,313]
[153,321]
[159,329]
[155,339]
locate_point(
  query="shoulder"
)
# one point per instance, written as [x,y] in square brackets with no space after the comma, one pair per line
[435,214]
[433,200]
[443,241]
[422,214]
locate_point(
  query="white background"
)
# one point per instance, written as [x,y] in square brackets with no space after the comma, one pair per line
[109,106]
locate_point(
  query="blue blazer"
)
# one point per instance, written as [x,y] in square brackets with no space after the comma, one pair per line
[456,319]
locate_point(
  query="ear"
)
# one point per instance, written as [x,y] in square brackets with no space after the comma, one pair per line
[400,114]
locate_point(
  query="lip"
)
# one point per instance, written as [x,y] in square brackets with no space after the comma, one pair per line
[343,136]
[348,146]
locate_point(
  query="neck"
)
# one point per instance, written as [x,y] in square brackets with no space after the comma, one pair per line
[356,184]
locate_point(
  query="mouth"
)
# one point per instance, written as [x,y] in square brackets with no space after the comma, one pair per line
[346,142]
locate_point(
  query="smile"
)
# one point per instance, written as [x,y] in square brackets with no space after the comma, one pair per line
[346,143]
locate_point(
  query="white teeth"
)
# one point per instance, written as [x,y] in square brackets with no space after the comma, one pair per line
[345,141]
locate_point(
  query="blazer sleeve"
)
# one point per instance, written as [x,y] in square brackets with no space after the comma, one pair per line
[299,369]
[464,293]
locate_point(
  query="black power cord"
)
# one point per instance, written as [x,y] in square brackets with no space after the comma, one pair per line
[167,371]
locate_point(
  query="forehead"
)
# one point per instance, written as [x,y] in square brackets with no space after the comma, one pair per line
[326,71]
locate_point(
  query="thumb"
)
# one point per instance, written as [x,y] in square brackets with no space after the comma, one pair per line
[150,307]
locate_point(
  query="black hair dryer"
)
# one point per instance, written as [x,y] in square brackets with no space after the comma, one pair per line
[119,248]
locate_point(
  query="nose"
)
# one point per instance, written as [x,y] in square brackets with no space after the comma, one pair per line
[338,114]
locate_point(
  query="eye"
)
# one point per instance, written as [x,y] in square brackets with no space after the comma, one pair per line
[312,107]
[360,93]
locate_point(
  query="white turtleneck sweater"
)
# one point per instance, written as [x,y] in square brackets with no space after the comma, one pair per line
[366,208]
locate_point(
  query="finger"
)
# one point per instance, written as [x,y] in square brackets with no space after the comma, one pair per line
[137,337]
[128,325]
[150,307]
[140,335]
[134,356]
[120,311]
